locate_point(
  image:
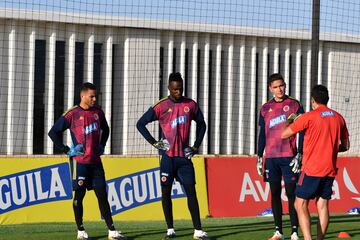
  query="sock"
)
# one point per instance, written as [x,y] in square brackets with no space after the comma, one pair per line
[167,205]
[276,204]
[193,205]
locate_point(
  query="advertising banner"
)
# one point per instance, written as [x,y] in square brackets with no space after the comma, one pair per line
[235,189]
[40,190]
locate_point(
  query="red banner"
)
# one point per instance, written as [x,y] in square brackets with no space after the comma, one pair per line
[235,189]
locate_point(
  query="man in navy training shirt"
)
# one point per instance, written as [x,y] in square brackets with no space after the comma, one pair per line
[89,132]
[283,159]
[175,114]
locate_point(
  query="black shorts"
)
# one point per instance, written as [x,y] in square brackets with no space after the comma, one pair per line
[87,176]
[278,168]
[180,168]
[310,187]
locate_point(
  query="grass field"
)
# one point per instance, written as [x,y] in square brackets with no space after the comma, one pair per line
[227,228]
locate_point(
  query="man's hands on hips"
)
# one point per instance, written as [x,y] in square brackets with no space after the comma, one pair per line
[189,152]
[77,150]
[101,149]
[162,144]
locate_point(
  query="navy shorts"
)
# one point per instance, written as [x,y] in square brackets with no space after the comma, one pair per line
[309,187]
[276,168]
[87,176]
[180,168]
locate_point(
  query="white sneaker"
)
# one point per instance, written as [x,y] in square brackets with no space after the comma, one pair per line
[170,233]
[200,234]
[115,235]
[294,236]
[277,236]
[82,235]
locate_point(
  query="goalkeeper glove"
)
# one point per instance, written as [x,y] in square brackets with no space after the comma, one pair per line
[296,163]
[259,166]
[292,117]
[77,150]
[162,144]
[189,152]
[101,150]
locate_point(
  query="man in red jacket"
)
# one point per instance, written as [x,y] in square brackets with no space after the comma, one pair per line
[326,135]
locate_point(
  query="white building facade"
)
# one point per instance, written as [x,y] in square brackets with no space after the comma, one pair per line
[46,56]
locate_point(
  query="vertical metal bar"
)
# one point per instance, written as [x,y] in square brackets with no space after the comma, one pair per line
[330,72]
[170,55]
[126,93]
[276,55]
[70,73]
[11,83]
[90,55]
[315,33]
[298,70]
[306,102]
[50,88]
[194,80]
[229,127]
[30,110]
[205,87]
[242,90]
[287,66]
[108,83]
[182,56]
[217,93]
[319,80]
[253,97]
[264,73]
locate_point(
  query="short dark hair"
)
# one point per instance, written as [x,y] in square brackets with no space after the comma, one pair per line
[274,77]
[320,94]
[175,77]
[87,86]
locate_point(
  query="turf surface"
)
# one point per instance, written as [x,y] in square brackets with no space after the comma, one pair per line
[227,228]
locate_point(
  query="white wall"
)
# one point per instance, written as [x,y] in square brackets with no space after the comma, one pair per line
[230,91]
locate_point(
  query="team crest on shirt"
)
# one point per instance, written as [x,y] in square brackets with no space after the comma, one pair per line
[270,110]
[169,110]
[186,109]
[96,116]
[286,108]
[81,118]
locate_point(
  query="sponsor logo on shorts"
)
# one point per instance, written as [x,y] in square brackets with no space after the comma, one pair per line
[163,179]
